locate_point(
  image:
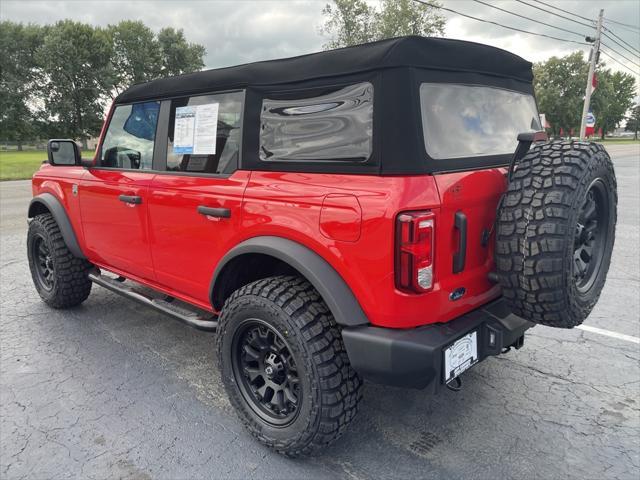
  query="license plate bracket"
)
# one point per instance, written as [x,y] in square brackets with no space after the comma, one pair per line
[460,356]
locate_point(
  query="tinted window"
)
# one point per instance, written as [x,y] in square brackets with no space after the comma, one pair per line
[334,126]
[205,133]
[469,121]
[128,142]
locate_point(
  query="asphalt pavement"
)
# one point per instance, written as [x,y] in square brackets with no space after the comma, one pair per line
[112,389]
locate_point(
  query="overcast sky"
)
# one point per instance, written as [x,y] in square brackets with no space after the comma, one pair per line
[238,31]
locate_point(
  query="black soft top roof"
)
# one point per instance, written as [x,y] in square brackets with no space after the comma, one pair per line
[419,52]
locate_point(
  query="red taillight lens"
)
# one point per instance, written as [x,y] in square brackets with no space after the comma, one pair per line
[414,251]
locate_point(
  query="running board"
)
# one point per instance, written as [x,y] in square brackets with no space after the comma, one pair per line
[179,313]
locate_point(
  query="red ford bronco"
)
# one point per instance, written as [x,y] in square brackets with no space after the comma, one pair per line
[387,212]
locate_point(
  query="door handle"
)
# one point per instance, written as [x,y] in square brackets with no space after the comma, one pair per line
[214,212]
[460,257]
[131,199]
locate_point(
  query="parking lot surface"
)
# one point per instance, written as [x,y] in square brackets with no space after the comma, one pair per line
[114,389]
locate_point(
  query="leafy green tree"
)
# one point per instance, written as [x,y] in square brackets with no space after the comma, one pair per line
[612,99]
[18,79]
[352,22]
[633,121]
[76,63]
[559,85]
[178,55]
[349,22]
[137,56]
[405,17]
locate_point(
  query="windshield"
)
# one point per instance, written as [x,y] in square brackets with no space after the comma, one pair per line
[461,121]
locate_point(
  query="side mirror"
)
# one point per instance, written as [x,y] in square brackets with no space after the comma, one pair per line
[63,152]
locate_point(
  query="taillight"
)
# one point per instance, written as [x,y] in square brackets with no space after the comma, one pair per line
[414,251]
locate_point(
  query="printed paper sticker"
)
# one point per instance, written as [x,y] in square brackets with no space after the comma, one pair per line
[196,129]
[183,130]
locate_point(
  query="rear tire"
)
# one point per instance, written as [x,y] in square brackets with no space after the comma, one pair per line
[59,277]
[284,365]
[555,232]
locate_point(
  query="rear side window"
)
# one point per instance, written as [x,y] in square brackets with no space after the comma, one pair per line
[461,121]
[205,133]
[333,126]
[128,142]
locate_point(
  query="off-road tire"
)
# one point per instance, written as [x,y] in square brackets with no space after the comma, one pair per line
[331,389]
[537,230]
[70,285]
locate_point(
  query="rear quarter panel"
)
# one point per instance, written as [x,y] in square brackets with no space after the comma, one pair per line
[290,204]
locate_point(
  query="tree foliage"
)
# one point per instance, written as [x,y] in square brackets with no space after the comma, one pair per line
[633,121]
[137,56]
[76,75]
[560,83]
[178,55]
[352,22]
[56,80]
[18,80]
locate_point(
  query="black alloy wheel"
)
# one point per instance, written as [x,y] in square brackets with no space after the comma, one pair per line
[266,372]
[591,236]
[284,365]
[60,277]
[555,232]
[44,265]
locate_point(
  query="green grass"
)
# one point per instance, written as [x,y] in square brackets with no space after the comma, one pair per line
[21,165]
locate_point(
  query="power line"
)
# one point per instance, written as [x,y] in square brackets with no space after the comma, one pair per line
[529,18]
[590,25]
[498,24]
[612,33]
[565,11]
[627,29]
[618,53]
[635,27]
[619,62]
[619,44]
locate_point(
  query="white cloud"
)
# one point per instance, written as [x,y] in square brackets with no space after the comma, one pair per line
[237,31]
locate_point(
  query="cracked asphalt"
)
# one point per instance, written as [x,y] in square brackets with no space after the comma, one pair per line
[112,389]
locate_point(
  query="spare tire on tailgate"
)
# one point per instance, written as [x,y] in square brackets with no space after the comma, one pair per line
[555,232]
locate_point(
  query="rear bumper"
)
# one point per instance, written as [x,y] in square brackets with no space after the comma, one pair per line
[413,357]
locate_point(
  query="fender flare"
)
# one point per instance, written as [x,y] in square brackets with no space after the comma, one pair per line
[51,203]
[332,288]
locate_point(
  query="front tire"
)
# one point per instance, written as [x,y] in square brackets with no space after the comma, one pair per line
[59,277]
[284,365]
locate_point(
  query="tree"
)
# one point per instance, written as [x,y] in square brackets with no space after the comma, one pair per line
[137,56]
[77,76]
[178,55]
[349,22]
[352,22]
[405,17]
[559,85]
[633,121]
[18,78]
[612,99]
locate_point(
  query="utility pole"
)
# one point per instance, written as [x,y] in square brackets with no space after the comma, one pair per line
[593,60]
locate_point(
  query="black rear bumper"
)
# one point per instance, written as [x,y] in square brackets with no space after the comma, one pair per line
[413,357]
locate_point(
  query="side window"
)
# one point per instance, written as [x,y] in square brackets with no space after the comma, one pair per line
[205,133]
[129,140]
[334,126]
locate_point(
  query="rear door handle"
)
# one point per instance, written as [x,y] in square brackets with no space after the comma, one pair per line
[131,199]
[214,212]
[459,259]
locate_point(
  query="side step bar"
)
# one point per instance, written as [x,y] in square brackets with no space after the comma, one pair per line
[184,315]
